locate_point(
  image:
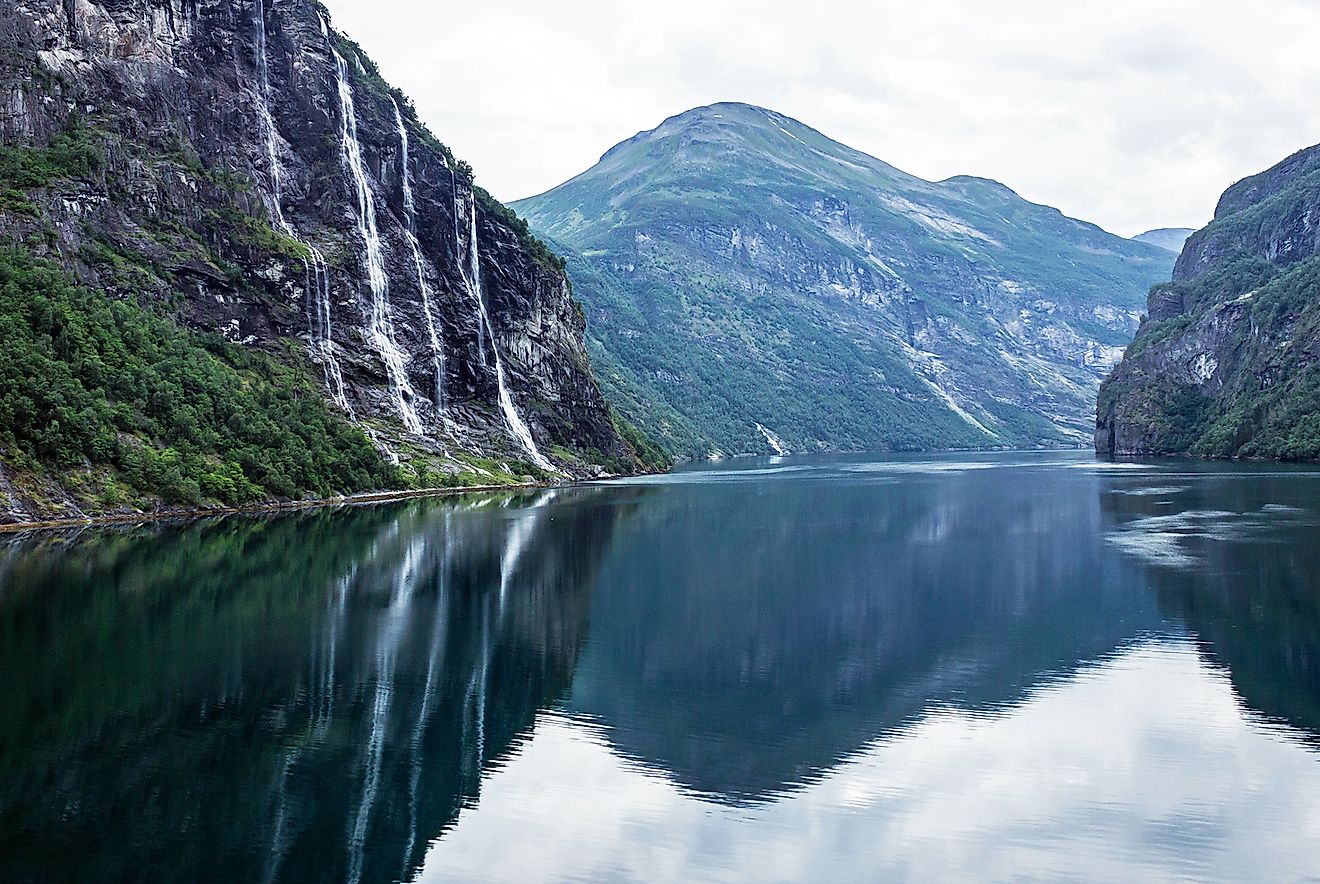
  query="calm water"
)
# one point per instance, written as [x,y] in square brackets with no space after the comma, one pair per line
[1021,666]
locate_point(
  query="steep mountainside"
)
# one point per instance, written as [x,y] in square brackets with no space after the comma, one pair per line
[239,169]
[1169,238]
[754,286]
[1228,362]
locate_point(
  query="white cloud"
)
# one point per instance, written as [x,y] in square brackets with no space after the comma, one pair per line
[1124,112]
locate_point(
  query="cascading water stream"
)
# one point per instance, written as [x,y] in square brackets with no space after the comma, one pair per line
[458,259]
[511,416]
[428,294]
[316,271]
[268,121]
[380,324]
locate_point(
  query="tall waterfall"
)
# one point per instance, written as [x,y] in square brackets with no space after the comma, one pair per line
[267,121]
[458,260]
[428,294]
[516,424]
[318,291]
[314,267]
[380,325]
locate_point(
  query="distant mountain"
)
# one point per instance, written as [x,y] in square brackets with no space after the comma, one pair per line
[1169,238]
[754,286]
[1226,364]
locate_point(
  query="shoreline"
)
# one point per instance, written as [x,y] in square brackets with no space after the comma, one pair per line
[273,507]
[265,508]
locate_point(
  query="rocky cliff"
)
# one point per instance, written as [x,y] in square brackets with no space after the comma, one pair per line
[754,286]
[1225,364]
[253,176]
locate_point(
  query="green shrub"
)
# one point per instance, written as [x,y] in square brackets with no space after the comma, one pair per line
[180,415]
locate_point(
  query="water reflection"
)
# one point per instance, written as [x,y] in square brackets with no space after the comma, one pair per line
[1231,553]
[821,614]
[1138,768]
[305,698]
[995,666]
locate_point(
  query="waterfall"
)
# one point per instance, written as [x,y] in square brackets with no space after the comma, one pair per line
[380,325]
[319,297]
[511,417]
[268,121]
[458,261]
[428,295]
[314,268]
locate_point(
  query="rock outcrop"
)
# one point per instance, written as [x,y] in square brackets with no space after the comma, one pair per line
[260,180]
[1225,363]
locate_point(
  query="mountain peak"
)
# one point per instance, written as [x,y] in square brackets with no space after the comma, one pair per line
[734,113]
[754,285]
[732,117]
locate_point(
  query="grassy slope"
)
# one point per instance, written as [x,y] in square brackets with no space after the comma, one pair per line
[127,406]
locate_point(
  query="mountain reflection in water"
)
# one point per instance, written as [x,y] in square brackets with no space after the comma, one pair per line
[997,665]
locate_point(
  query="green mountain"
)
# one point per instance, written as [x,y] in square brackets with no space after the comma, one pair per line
[1226,364]
[1169,238]
[752,285]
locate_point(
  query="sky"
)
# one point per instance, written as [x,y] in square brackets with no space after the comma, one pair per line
[1132,114]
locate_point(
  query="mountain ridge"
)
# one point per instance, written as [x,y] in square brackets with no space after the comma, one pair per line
[1171,238]
[684,239]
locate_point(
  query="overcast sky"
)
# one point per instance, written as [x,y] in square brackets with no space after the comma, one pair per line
[1130,113]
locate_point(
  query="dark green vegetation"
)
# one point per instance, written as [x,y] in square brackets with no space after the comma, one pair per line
[1270,407]
[152,410]
[739,268]
[73,154]
[1226,366]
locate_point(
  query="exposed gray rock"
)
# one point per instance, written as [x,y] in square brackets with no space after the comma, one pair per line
[210,212]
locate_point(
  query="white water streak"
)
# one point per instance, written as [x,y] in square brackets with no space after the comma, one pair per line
[380,323]
[388,644]
[428,294]
[320,333]
[511,416]
[775,442]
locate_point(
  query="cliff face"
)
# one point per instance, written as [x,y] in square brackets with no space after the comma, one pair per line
[754,285]
[1226,362]
[257,178]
